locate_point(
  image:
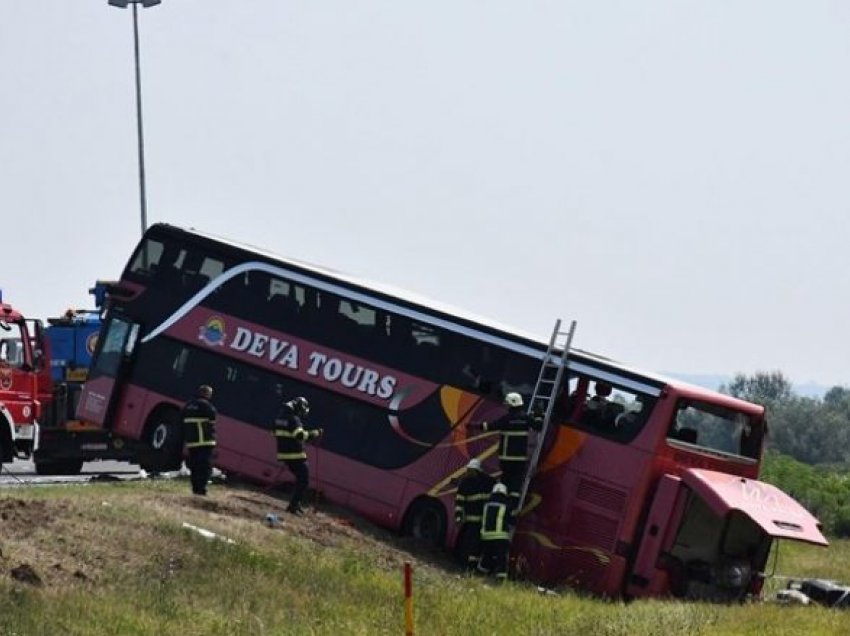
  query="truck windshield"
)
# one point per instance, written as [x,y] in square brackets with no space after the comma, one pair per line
[11,345]
[716,428]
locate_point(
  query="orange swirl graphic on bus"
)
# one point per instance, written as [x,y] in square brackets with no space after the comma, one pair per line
[459,406]
[567,443]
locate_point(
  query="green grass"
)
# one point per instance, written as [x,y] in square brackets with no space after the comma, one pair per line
[126,567]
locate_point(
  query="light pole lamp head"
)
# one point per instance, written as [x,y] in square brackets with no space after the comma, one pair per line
[123,3]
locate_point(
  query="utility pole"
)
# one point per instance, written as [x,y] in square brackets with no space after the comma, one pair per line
[139,130]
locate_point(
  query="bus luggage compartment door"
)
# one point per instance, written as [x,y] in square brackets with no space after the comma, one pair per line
[646,577]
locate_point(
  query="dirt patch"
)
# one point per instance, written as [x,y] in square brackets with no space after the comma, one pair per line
[25,574]
[18,517]
[83,540]
[33,544]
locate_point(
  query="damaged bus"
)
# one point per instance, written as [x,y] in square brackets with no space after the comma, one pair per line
[648,488]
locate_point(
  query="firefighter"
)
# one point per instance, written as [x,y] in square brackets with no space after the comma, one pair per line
[472,493]
[199,435]
[290,434]
[496,533]
[513,444]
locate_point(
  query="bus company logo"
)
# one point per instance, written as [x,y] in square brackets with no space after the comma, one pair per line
[5,379]
[212,333]
[91,343]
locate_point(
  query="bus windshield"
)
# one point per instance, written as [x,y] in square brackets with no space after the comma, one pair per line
[716,428]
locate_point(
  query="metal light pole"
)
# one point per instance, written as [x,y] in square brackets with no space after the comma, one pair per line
[123,5]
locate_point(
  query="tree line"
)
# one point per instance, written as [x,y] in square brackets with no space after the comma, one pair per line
[809,429]
[808,444]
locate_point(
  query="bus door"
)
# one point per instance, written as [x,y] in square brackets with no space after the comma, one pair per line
[109,366]
[663,520]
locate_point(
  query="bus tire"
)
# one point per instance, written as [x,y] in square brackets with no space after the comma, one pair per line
[426,521]
[59,467]
[163,442]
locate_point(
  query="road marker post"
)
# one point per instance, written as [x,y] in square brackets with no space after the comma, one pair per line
[408,600]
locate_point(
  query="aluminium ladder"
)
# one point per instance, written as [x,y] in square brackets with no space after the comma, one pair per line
[546,389]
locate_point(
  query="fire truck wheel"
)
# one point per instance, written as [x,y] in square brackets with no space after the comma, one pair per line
[426,520]
[164,442]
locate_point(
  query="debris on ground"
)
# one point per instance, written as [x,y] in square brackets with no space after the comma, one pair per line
[207,534]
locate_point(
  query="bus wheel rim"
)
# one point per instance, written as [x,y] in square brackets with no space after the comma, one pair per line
[160,436]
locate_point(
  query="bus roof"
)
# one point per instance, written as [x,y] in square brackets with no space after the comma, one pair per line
[442,311]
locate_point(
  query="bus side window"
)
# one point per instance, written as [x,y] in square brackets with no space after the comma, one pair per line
[147,259]
[178,366]
[281,305]
[192,279]
[399,332]
[211,268]
[571,404]
[167,272]
[360,329]
[284,301]
[634,414]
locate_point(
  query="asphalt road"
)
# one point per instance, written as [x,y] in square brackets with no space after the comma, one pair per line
[22,472]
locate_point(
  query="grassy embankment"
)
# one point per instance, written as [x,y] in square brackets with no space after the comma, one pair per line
[114,559]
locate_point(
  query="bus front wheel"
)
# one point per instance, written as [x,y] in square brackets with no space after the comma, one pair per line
[426,520]
[164,442]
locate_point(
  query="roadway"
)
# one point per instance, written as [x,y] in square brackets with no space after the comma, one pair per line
[22,472]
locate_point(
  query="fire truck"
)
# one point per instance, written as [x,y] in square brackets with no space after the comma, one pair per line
[23,376]
[42,371]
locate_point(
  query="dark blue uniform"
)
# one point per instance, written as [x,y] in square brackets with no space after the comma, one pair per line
[199,436]
[473,491]
[291,436]
[513,447]
[496,535]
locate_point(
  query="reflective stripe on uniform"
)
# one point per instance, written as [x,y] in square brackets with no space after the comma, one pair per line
[199,422]
[500,530]
[286,456]
[298,433]
[512,447]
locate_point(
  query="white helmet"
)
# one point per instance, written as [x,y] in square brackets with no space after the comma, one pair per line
[513,399]
[500,488]
[300,406]
[474,464]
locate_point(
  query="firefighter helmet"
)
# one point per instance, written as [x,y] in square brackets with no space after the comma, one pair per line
[300,406]
[513,399]
[500,488]
[474,464]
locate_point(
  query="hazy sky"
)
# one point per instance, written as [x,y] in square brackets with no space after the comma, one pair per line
[671,174]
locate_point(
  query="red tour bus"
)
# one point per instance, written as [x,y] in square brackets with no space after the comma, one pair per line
[649,489]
